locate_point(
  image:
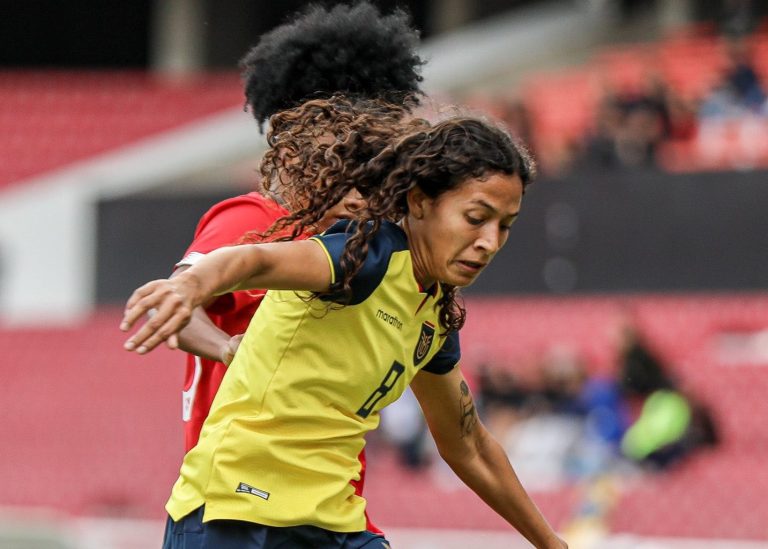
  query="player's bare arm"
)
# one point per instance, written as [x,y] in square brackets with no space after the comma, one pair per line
[468,419]
[475,455]
[299,265]
[203,338]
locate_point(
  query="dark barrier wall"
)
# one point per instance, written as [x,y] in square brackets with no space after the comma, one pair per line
[141,238]
[622,232]
[637,232]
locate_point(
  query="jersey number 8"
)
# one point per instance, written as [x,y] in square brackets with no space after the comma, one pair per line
[394,373]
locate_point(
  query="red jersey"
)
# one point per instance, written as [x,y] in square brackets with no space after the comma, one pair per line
[223,225]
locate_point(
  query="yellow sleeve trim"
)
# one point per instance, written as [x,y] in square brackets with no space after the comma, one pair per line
[328,256]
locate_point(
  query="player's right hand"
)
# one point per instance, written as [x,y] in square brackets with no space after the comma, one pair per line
[169,305]
[230,348]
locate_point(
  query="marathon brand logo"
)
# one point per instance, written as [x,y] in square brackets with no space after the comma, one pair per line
[424,343]
[392,320]
[244,488]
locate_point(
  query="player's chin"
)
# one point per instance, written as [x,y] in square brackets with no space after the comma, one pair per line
[464,283]
[461,278]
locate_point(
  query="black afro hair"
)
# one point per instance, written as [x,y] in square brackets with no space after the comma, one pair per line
[352,50]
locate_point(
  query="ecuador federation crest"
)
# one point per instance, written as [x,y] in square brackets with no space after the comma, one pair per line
[424,343]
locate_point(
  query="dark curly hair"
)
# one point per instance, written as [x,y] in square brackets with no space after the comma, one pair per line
[352,50]
[436,159]
[313,150]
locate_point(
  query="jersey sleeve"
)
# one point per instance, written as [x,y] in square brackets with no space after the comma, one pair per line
[380,249]
[447,357]
[226,223]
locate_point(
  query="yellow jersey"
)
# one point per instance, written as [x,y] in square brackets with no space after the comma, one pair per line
[282,440]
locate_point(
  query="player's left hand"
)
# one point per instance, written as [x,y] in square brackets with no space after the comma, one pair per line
[230,348]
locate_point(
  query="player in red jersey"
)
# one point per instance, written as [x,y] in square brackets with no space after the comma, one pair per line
[354,51]
[225,223]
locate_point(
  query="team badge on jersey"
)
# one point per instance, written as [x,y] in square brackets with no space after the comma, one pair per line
[424,343]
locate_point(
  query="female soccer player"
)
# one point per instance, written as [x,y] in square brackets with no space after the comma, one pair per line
[351,50]
[299,155]
[354,50]
[322,357]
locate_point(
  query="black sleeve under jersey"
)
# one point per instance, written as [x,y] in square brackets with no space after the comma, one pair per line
[389,239]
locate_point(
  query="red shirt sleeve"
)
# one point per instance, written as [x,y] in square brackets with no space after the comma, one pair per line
[226,222]
[224,225]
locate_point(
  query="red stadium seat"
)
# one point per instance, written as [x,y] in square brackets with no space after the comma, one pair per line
[69,116]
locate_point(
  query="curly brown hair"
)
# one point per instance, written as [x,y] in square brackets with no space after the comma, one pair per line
[436,159]
[313,149]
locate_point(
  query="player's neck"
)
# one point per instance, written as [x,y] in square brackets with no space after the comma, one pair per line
[420,271]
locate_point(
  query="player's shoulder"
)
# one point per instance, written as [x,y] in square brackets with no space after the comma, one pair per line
[388,240]
[226,222]
[250,210]
[390,236]
[253,200]
[394,236]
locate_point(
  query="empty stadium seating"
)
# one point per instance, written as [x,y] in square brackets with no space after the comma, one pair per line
[51,118]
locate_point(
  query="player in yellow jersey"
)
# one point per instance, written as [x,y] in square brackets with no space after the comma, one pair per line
[353,317]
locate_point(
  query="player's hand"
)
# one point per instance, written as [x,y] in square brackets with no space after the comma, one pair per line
[169,304]
[230,348]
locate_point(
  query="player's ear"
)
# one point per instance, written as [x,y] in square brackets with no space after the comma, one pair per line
[418,202]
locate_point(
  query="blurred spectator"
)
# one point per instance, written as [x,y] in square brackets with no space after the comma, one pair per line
[517,119]
[560,425]
[564,424]
[739,92]
[606,411]
[639,135]
[502,399]
[737,17]
[630,126]
[600,147]
[563,380]
[640,371]
[498,388]
[550,426]
[598,404]
[682,120]
[669,423]
[403,424]
[510,111]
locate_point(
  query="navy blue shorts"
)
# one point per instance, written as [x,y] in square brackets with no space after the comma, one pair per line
[192,533]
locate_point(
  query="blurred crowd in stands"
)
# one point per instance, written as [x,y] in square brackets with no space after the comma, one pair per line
[693,101]
[564,425]
[568,424]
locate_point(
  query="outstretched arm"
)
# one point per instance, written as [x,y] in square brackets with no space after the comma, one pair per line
[203,338]
[476,457]
[298,265]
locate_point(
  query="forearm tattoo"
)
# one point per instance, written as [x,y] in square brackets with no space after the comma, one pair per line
[468,413]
